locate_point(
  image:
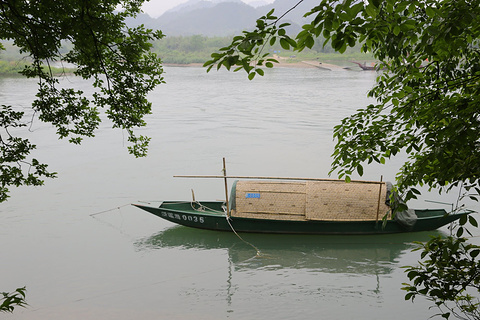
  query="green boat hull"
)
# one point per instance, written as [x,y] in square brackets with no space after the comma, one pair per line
[211,216]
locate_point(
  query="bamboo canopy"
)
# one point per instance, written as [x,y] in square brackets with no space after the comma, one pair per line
[309,200]
[302,199]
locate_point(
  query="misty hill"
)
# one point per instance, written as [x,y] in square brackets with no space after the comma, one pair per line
[220,17]
[199,4]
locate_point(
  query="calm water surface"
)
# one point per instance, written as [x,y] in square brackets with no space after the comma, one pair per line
[84,253]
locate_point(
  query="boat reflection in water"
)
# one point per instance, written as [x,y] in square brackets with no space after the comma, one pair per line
[376,254]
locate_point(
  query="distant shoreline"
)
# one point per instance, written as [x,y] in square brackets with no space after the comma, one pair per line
[309,64]
[282,65]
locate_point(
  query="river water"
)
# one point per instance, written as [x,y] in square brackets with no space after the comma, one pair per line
[84,252]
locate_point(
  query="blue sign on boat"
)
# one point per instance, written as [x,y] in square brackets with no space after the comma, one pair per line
[252,195]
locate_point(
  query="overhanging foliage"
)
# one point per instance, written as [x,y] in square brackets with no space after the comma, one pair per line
[102,48]
[427,94]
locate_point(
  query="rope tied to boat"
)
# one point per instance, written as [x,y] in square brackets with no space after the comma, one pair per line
[113,209]
[259,253]
[197,206]
[202,208]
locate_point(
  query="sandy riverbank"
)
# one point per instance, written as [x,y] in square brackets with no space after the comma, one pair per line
[284,64]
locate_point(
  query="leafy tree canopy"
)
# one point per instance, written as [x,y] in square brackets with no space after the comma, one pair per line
[427,95]
[449,276]
[103,49]
[427,106]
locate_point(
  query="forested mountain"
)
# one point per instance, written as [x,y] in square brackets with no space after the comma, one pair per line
[219,18]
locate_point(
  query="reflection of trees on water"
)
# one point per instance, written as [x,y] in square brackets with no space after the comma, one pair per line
[376,254]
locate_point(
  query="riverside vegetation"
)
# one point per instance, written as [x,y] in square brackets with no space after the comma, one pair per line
[196,49]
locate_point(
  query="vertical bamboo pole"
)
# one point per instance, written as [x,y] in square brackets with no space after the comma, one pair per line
[379,197]
[226,186]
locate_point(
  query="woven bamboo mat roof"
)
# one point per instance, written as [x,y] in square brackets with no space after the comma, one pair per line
[310,200]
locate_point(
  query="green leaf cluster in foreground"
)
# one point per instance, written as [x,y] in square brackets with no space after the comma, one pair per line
[448,276]
[9,301]
[93,37]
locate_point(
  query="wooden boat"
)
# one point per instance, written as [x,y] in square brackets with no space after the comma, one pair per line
[302,207]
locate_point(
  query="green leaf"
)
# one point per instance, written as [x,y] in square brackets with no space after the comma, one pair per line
[473,221]
[371,11]
[360,170]
[474,253]
[430,11]
[284,43]
[396,30]
[415,191]
[309,42]
[412,274]
[460,232]
[409,296]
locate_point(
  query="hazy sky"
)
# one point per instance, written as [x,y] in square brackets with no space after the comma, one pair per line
[156,8]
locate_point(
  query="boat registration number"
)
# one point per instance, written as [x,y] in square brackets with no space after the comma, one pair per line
[253,195]
[183,217]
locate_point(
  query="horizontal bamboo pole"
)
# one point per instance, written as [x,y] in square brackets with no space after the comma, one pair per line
[275,178]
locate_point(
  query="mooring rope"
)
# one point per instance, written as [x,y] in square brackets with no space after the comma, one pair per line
[105,211]
[203,208]
[118,228]
[235,232]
